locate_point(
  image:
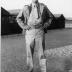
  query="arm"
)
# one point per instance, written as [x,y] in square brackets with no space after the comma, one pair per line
[21,19]
[49,17]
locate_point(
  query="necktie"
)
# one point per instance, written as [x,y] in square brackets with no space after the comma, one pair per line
[34,15]
[36,12]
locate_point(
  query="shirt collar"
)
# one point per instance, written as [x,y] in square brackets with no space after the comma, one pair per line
[33,4]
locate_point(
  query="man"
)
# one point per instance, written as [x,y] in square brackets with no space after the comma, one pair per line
[34,18]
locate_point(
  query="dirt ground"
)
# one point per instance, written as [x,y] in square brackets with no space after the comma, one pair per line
[13,54]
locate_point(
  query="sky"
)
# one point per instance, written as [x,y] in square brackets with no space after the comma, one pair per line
[55,6]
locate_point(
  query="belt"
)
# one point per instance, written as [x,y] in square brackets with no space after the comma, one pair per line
[39,26]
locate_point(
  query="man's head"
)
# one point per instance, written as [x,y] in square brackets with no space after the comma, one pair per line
[34,1]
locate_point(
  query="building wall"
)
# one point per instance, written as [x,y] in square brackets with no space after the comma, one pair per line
[57,23]
[9,26]
[68,23]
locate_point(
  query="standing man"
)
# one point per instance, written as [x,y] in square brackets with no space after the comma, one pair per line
[34,18]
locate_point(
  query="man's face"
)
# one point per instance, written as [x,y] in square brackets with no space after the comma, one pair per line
[34,1]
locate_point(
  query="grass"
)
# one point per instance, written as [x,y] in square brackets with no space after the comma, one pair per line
[13,54]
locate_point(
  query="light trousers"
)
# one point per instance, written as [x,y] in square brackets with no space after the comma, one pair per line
[37,41]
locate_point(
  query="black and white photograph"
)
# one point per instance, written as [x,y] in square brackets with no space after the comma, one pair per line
[36,36]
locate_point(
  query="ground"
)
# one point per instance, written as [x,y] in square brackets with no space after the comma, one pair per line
[58,52]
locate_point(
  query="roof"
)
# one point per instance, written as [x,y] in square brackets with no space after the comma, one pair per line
[58,15]
[4,12]
[14,12]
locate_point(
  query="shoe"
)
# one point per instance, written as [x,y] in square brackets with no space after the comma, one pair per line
[43,65]
[29,69]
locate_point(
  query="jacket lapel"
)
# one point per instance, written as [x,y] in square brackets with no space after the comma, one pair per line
[41,8]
